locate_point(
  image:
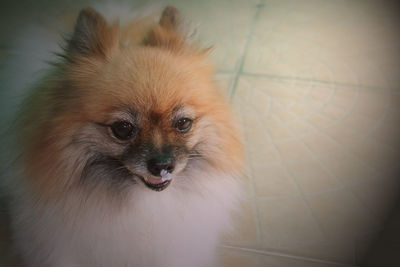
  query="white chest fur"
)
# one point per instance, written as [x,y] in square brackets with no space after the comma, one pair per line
[176,227]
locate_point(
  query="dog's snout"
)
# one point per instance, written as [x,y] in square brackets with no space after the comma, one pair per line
[157,164]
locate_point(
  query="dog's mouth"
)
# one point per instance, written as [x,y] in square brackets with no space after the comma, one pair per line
[156,184]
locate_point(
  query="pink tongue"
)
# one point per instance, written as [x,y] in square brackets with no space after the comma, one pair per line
[152,180]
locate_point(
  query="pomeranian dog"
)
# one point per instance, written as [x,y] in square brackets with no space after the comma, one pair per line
[127,153]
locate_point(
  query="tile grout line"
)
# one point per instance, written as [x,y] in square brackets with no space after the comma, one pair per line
[330,173]
[300,193]
[231,90]
[305,79]
[242,59]
[252,197]
[287,256]
[319,131]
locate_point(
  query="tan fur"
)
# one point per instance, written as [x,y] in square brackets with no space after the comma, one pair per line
[190,82]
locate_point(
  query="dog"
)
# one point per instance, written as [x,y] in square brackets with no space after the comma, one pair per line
[126,151]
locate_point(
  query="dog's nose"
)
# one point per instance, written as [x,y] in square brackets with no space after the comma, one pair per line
[156,165]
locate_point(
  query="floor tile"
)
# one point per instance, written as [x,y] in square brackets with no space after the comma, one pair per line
[347,168]
[272,180]
[379,156]
[235,258]
[290,40]
[286,222]
[333,249]
[378,195]
[293,150]
[311,177]
[341,215]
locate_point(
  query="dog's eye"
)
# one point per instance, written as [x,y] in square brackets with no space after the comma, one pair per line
[123,130]
[183,125]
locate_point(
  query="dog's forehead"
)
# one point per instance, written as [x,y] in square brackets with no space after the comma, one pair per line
[154,115]
[173,113]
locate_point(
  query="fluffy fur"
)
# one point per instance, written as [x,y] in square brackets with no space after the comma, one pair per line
[80,198]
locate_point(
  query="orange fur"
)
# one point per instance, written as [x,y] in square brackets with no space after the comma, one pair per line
[177,78]
[149,75]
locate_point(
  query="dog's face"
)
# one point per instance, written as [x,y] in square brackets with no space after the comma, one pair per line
[149,119]
[143,114]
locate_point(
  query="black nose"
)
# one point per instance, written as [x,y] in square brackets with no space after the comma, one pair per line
[156,165]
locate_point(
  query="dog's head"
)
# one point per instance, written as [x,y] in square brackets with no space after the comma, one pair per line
[125,115]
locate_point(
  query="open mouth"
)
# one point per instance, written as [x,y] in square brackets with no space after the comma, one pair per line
[156,184]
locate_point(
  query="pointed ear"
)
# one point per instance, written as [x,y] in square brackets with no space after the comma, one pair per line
[170,18]
[166,33]
[93,36]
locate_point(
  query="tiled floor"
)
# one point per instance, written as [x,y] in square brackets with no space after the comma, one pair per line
[316,88]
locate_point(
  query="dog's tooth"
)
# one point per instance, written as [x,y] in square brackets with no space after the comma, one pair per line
[165,175]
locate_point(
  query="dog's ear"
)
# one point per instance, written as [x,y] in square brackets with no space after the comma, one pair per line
[170,18]
[92,36]
[166,33]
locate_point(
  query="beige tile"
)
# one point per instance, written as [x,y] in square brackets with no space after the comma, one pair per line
[299,128]
[379,156]
[277,89]
[372,103]
[293,150]
[310,177]
[321,93]
[347,168]
[287,44]
[285,90]
[395,101]
[271,180]
[320,121]
[333,249]
[243,91]
[302,110]
[244,258]
[262,153]
[320,144]
[344,97]
[359,123]
[282,114]
[388,135]
[278,132]
[273,261]
[286,222]
[378,194]
[344,134]
[235,258]
[252,125]
[388,131]
[334,112]
[315,105]
[341,215]
[392,116]
[260,101]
